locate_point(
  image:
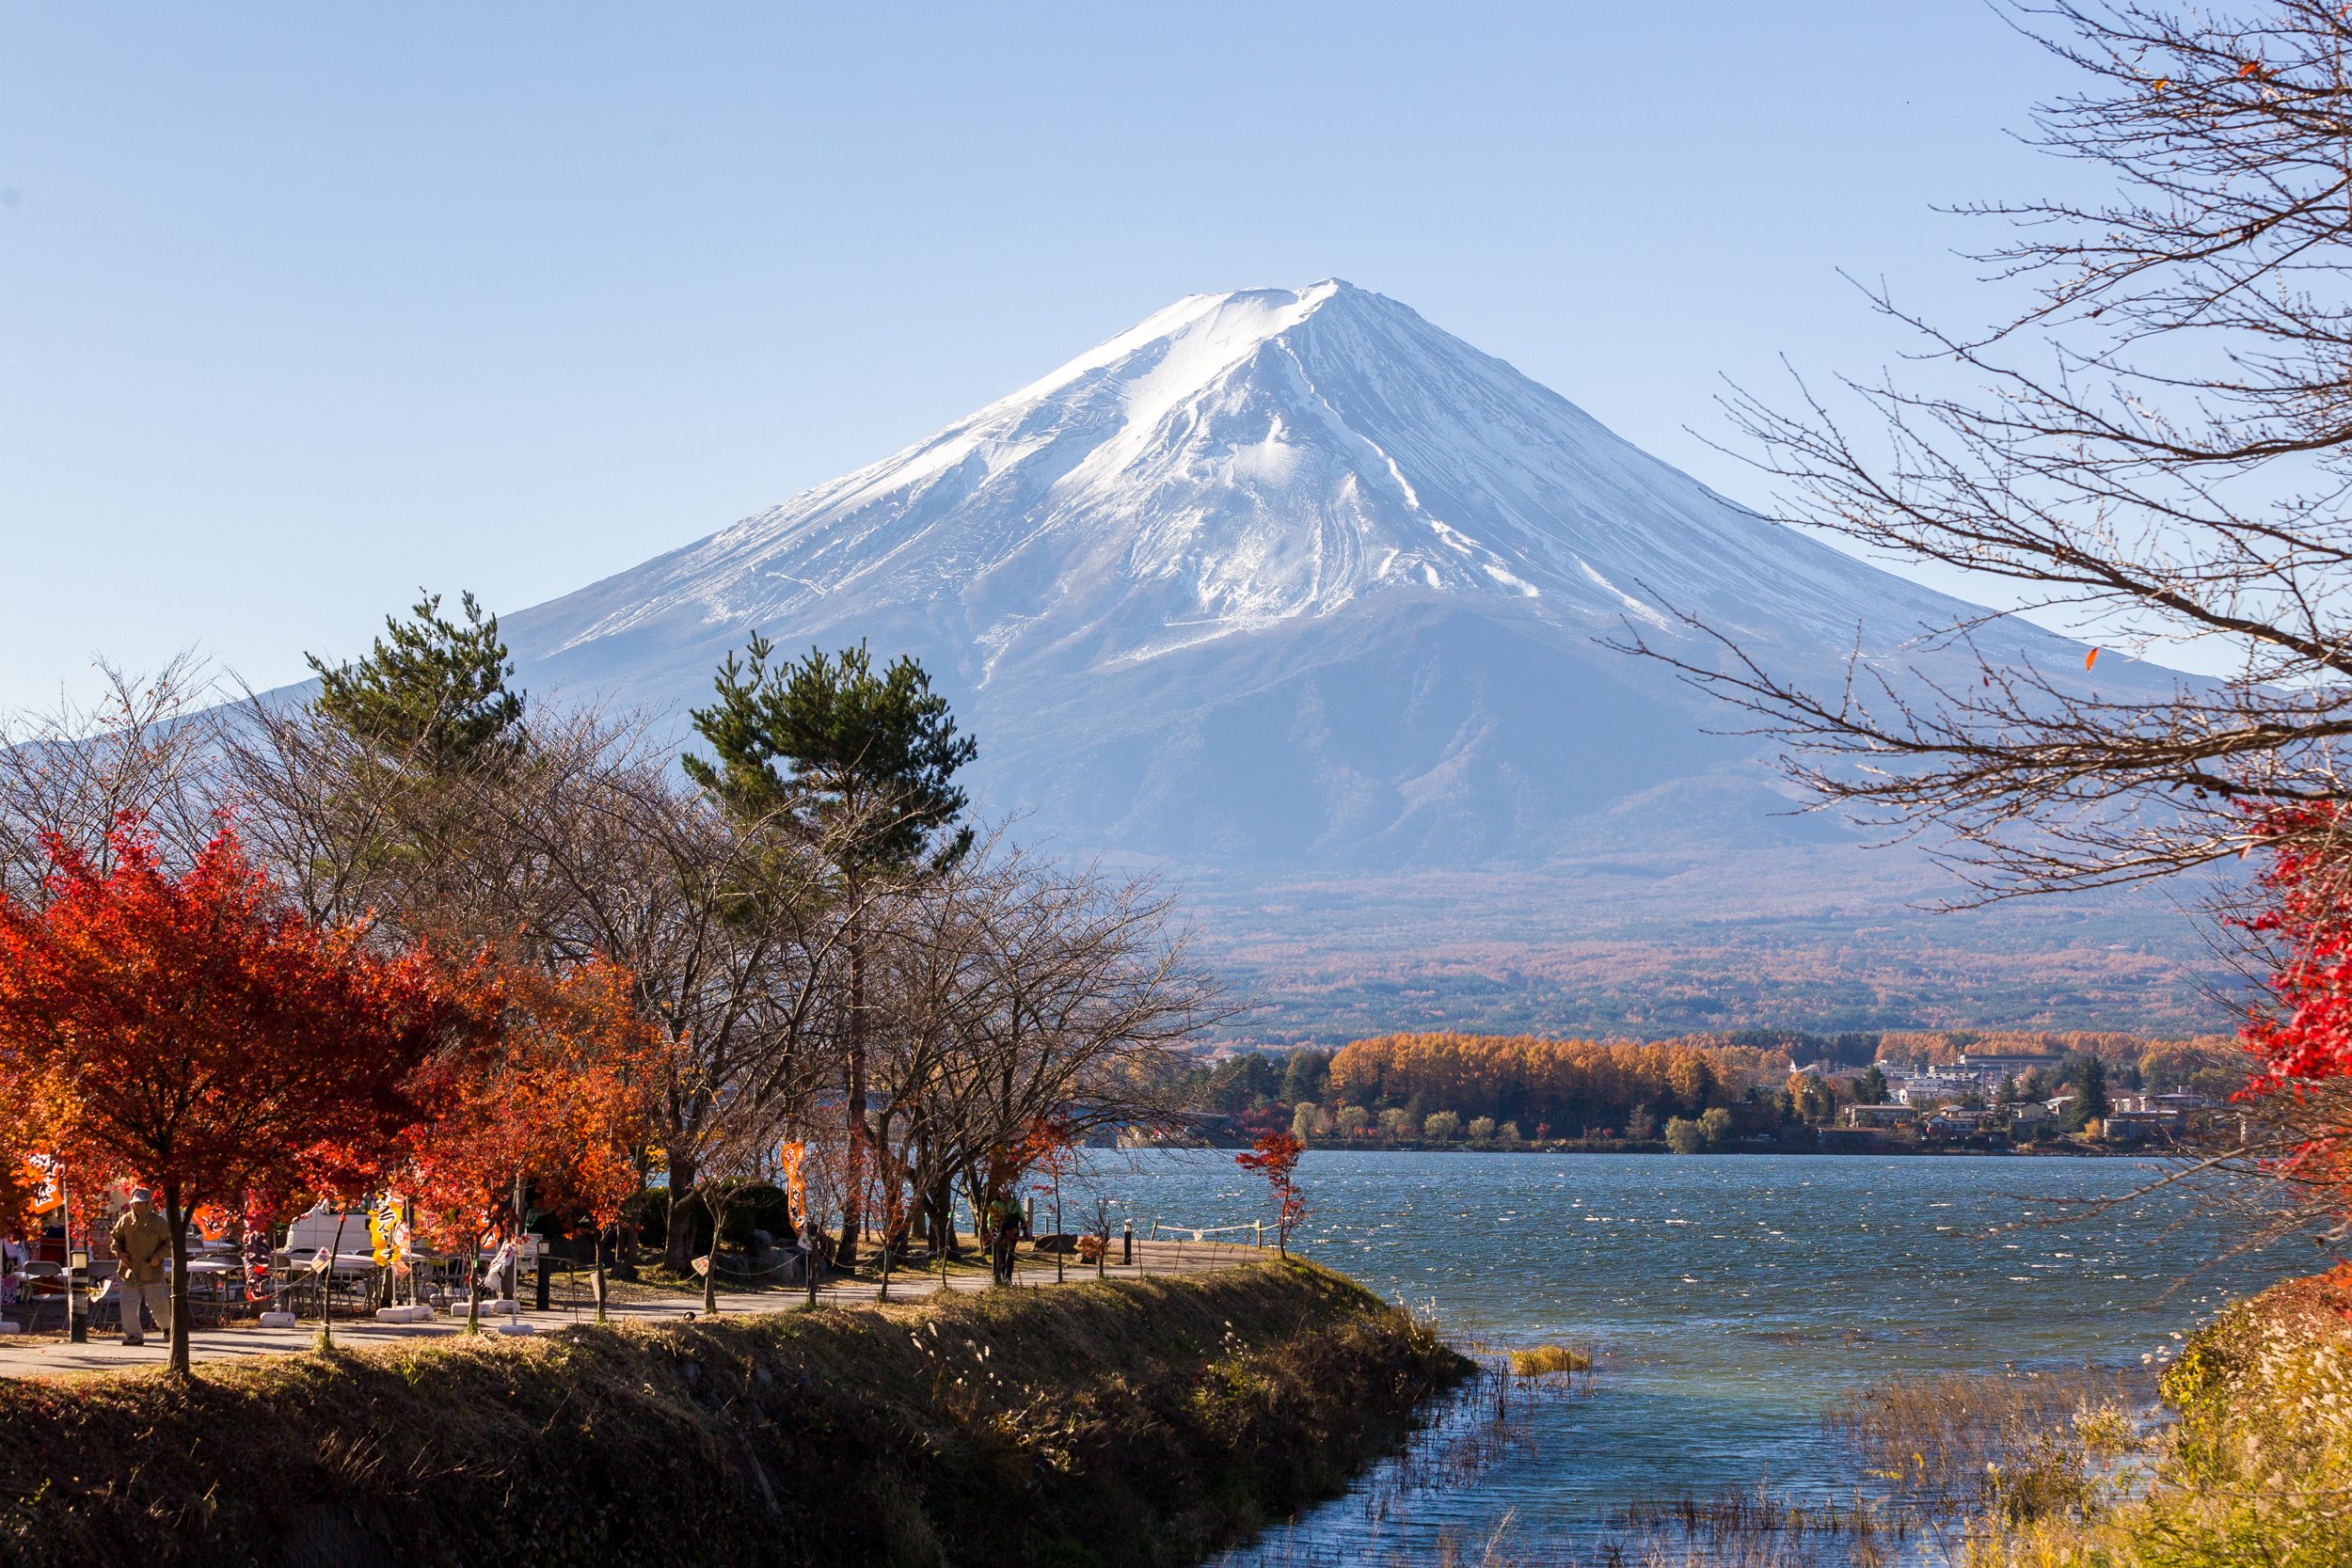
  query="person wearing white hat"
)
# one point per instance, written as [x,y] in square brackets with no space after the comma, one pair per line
[141,1242]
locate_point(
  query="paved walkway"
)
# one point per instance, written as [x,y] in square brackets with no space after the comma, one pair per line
[47,1353]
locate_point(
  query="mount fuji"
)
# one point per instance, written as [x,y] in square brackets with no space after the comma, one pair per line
[1298,595]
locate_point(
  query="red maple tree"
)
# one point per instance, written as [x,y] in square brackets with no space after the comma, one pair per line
[197,1035]
[2301,1039]
[1274,1157]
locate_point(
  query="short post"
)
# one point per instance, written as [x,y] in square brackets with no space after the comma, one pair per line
[539,1292]
[76,1297]
[1028,1214]
[1261,1224]
[1127,1242]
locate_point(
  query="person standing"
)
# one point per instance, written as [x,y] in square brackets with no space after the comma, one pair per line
[1004,1218]
[141,1242]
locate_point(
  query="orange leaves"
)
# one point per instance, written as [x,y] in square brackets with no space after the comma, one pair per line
[1576,1083]
[2090,659]
[559,1099]
[2250,68]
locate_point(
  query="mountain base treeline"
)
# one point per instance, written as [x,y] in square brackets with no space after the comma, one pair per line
[1140,1421]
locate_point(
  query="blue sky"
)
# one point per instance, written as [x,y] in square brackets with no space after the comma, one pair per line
[303,305]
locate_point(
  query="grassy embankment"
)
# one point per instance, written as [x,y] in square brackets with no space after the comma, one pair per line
[1140,1421]
[2256,1469]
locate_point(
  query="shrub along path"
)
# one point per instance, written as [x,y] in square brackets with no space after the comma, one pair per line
[47,1353]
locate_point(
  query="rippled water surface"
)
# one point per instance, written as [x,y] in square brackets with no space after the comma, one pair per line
[1732,1298]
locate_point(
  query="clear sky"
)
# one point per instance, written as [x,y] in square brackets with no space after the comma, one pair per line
[303,305]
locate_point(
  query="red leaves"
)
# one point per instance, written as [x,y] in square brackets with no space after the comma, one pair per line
[1275,1156]
[2303,1043]
[196,1033]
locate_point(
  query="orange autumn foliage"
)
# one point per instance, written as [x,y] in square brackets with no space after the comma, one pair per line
[559,1100]
[1567,1083]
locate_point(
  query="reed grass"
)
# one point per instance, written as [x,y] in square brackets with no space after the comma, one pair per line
[1549,1361]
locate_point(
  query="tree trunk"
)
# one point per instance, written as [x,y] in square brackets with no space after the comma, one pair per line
[473,1284]
[853,1196]
[599,1275]
[175,1220]
[326,1286]
[711,1264]
[677,1251]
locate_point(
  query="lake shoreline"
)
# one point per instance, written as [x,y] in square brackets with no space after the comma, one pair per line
[1875,1149]
[1149,1420]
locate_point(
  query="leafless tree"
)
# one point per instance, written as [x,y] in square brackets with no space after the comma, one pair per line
[2156,435]
[1082,989]
[144,749]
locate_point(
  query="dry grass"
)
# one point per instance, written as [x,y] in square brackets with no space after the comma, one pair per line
[1549,1361]
[1998,1448]
[1147,1419]
[2256,1469]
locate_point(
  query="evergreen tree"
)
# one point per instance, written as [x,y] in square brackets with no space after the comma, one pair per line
[863,763]
[859,765]
[2088,1075]
[432,692]
[1305,1076]
[1871,1088]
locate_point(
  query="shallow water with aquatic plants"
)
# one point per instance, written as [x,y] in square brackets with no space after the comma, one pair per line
[1730,1299]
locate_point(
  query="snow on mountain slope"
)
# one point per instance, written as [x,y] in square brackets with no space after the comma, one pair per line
[1276,579]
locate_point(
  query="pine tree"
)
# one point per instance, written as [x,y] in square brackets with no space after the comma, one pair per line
[431,692]
[866,760]
[857,764]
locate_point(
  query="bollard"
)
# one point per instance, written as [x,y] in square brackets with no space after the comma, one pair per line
[539,1292]
[1127,1242]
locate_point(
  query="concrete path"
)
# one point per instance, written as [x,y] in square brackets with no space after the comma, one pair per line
[48,1353]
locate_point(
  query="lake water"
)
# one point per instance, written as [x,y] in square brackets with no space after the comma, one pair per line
[1732,1299]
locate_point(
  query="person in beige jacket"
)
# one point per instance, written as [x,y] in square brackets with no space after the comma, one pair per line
[141,1241]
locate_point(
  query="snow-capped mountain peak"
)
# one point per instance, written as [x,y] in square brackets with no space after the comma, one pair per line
[1232,462]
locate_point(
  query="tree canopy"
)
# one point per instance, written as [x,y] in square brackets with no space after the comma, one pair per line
[431,689]
[861,761]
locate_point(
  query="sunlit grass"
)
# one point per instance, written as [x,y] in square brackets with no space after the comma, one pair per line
[1549,1361]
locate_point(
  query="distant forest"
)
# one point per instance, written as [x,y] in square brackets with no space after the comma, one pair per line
[1513,1088]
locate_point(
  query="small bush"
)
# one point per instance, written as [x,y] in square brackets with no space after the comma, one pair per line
[1508,1132]
[1483,1128]
[1685,1137]
[1716,1125]
[1441,1127]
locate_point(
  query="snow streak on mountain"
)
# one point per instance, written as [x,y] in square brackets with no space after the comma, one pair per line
[1280,580]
